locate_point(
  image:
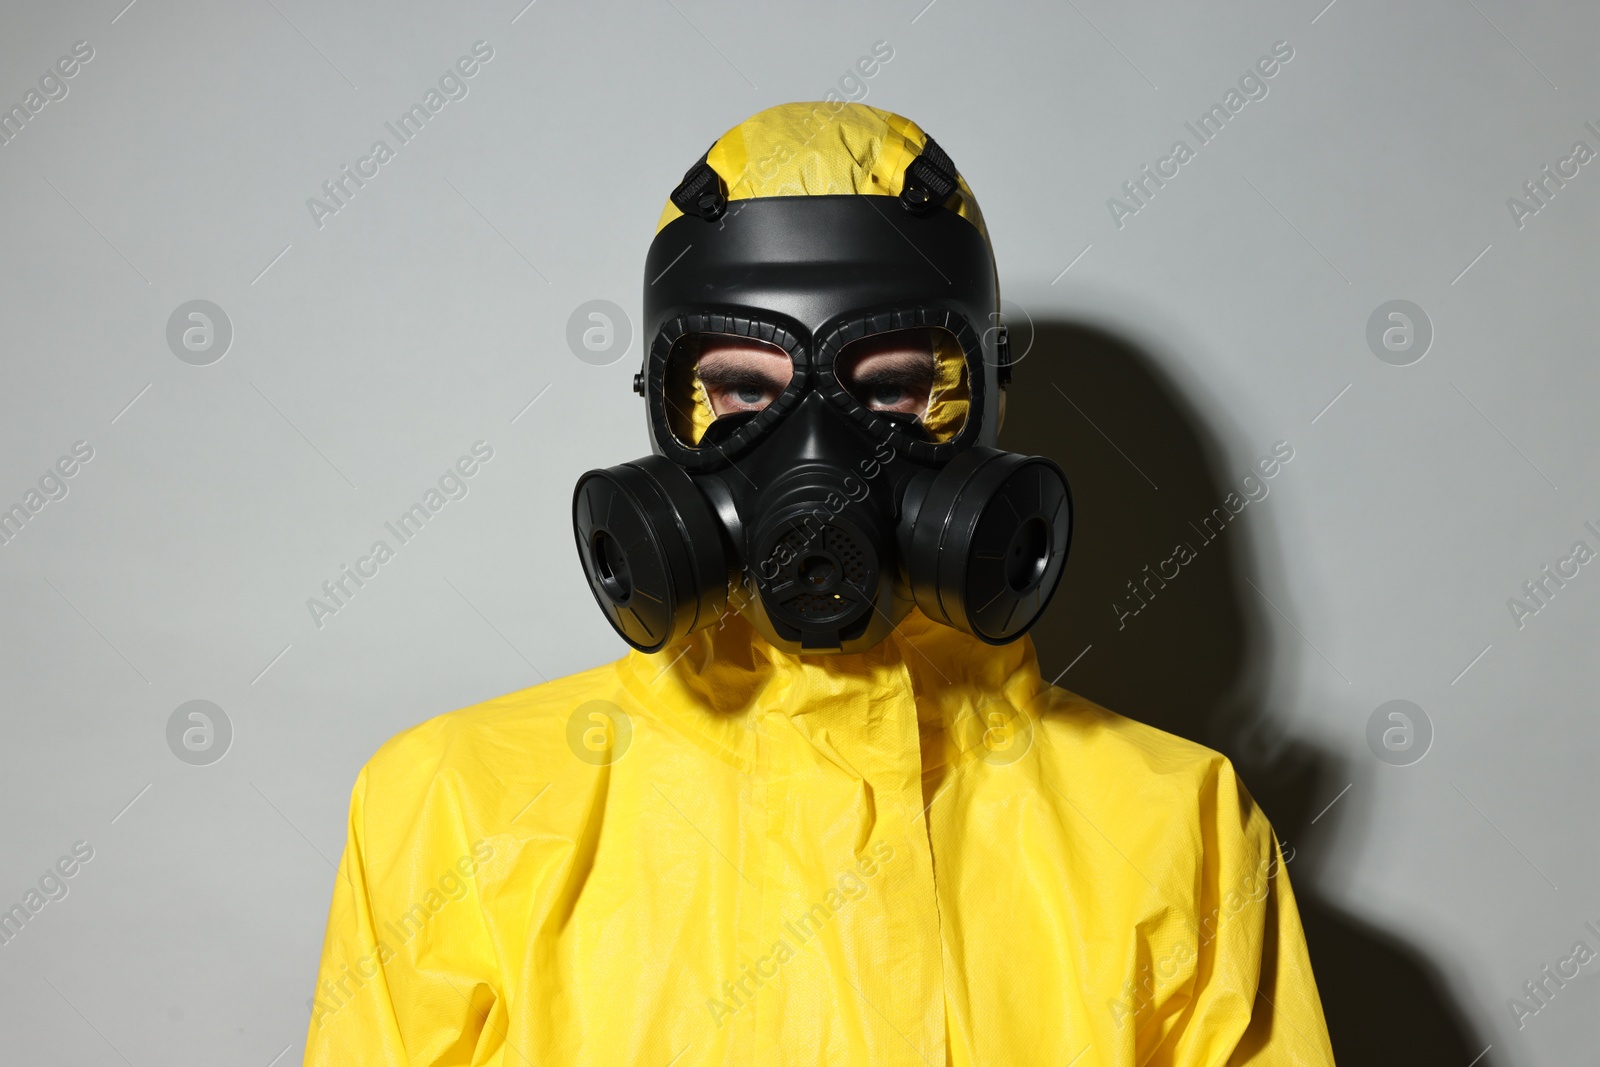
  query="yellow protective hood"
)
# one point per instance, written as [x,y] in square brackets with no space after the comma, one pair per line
[832,148]
[721,854]
[822,148]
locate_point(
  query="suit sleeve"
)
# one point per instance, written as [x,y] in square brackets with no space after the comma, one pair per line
[1254,1002]
[402,980]
[1286,1021]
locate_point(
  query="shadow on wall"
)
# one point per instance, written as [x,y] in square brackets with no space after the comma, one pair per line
[1191,659]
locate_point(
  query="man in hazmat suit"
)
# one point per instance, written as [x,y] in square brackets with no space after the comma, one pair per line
[826,811]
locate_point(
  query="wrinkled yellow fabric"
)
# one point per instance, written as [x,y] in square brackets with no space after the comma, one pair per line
[701,412]
[822,148]
[688,404]
[950,396]
[720,854]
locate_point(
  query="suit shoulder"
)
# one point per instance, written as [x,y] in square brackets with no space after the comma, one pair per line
[1143,784]
[517,733]
[1096,732]
[1085,742]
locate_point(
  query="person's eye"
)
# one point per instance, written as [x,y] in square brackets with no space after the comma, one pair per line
[750,394]
[886,395]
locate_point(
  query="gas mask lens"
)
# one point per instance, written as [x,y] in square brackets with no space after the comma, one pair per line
[716,382]
[915,379]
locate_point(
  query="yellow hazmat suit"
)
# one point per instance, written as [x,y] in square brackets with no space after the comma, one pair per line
[919,855]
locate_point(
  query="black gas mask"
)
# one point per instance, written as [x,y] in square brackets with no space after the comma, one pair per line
[823,385]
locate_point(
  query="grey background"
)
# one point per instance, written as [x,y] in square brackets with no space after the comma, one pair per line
[369,354]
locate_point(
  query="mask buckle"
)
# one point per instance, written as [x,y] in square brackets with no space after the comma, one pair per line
[1002,352]
[702,192]
[930,179]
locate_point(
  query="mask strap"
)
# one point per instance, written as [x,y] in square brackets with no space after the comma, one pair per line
[702,192]
[929,181]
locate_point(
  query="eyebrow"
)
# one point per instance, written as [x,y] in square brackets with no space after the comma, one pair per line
[728,374]
[900,372]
